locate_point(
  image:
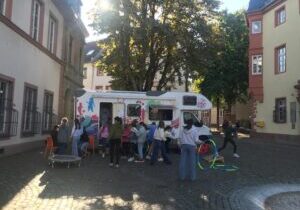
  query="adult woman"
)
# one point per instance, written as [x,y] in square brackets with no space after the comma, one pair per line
[62,136]
[158,144]
[188,140]
[75,136]
[133,140]
[115,141]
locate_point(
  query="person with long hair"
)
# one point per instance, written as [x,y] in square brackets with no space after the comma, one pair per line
[75,136]
[158,144]
[188,143]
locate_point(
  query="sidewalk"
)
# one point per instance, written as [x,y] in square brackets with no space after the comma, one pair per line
[27,182]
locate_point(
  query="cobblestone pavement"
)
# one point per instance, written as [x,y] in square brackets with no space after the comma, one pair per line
[265,170]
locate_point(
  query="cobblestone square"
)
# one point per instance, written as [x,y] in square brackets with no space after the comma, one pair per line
[266,170]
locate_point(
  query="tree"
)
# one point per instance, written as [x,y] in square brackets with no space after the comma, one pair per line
[150,40]
[226,77]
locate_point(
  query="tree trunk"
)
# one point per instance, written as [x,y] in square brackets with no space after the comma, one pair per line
[218,113]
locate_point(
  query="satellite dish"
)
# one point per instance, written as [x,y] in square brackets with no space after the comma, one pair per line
[79,92]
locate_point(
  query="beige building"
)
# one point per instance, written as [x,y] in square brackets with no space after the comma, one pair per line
[94,77]
[35,77]
[274,67]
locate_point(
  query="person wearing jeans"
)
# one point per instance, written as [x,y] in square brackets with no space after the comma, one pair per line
[115,141]
[142,135]
[188,144]
[63,136]
[158,144]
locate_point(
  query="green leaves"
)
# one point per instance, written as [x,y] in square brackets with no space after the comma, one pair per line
[154,42]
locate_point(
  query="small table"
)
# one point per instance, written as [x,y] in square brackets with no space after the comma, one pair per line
[64,159]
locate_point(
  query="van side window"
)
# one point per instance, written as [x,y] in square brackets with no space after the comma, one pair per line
[189,100]
[133,110]
[160,114]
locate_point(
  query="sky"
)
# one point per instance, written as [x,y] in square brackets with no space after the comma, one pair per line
[230,5]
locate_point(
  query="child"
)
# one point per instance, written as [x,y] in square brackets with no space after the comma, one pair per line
[125,140]
[228,133]
[103,136]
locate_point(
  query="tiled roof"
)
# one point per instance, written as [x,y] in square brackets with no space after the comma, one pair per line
[91,52]
[257,5]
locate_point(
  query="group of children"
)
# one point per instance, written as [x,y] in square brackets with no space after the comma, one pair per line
[136,141]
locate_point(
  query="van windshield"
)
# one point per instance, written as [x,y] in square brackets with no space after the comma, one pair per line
[188,115]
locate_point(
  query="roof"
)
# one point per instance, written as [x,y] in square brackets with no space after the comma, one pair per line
[91,52]
[257,5]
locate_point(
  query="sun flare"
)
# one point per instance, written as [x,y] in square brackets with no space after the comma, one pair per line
[105,5]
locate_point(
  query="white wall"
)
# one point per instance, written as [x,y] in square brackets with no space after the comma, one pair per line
[21,60]
[93,80]
[21,16]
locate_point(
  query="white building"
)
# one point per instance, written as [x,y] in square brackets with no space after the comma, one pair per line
[34,56]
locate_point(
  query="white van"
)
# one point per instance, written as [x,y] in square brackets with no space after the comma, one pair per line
[174,108]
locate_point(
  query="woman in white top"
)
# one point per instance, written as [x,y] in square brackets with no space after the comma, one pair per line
[159,145]
[188,143]
[75,136]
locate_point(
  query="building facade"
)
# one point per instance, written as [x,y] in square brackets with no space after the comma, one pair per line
[94,77]
[274,67]
[34,70]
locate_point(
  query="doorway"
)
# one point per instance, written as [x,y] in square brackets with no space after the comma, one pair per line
[106,110]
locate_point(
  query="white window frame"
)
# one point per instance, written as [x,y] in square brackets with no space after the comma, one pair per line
[4,7]
[253,29]
[52,33]
[281,16]
[29,108]
[256,59]
[281,59]
[36,16]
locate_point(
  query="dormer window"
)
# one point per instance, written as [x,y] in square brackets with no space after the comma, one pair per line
[256,27]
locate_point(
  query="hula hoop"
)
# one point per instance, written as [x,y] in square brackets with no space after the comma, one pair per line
[224,167]
[215,154]
[213,165]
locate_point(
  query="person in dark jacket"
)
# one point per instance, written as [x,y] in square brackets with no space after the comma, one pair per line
[84,142]
[54,134]
[63,136]
[115,135]
[228,137]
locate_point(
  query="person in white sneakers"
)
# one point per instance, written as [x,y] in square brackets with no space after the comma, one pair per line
[228,137]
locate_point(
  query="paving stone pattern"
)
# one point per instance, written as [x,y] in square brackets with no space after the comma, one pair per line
[266,170]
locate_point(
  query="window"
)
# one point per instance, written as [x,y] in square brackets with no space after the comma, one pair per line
[280,16]
[108,87]
[189,100]
[99,87]
[29,110]
[188,115]
[133,110]
[6,106]
[36,19]
[52,34]
[47,112]
[256,64]
[256,27]
[99,71]
[280,54]
[2,7]
[280,110]
[160,114]
[84,73]
[70,50]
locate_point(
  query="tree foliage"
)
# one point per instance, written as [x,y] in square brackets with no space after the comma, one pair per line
[154,40]
[227,75]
